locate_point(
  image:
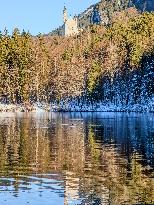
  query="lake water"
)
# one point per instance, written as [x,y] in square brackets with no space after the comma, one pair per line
[76,159]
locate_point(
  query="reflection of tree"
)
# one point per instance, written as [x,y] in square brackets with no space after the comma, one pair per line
[90,167]
[111,173]
[69,141]
[141,185]
[22,146]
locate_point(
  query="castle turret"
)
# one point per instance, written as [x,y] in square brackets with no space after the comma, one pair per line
[65,14]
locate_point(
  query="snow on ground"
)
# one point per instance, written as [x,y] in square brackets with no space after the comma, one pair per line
[7,107]
[74,106]
[101,107]
[37,107]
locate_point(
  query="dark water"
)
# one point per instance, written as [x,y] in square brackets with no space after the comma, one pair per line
[76,159]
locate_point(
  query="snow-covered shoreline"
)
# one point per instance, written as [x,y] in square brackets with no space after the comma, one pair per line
[102,107]
[16,108]
[73,106]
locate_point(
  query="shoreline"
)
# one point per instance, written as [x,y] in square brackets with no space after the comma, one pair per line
[64,108]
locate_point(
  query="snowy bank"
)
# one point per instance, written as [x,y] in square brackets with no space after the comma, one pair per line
[74,106]
[16,108]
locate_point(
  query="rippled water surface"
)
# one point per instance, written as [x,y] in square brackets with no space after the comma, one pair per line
[76,159]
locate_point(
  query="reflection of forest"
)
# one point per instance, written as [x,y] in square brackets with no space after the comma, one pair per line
[101,160]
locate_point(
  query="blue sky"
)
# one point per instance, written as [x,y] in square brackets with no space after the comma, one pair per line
[37,15]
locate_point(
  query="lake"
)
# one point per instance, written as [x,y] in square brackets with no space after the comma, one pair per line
[76,158]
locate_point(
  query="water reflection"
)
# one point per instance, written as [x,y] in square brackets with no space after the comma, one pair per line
[84,159]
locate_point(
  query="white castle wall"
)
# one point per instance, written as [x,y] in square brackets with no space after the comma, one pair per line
[72,26]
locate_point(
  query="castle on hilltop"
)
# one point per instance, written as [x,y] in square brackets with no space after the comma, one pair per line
[72,26]
[99,13]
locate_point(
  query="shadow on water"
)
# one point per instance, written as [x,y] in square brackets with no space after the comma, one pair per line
[76,158]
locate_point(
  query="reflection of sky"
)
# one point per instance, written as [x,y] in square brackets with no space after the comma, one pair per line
[34,190]
[32,197]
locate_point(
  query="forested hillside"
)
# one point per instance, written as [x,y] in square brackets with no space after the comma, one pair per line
[107,65]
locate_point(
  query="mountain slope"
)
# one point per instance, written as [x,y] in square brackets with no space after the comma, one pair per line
[144,5]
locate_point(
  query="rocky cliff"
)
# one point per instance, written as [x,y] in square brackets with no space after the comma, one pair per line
[144,5]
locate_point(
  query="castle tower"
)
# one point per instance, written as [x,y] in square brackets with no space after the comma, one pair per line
[64,14]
